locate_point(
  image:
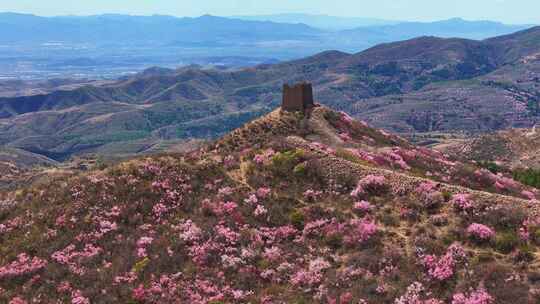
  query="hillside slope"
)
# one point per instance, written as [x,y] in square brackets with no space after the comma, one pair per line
[516,148]
[286,209]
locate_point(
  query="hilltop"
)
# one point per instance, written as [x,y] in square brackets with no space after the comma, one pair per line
[289,208]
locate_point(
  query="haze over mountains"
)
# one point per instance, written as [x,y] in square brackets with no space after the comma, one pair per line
[108,46]
[421,85]
[321,21]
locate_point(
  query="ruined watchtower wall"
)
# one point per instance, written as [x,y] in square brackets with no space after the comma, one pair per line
[298,97]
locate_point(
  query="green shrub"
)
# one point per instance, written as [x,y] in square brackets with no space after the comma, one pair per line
[300,170]
[285,162]
[491,166]
[530,177]
[297,219]
[334,241]
[505,242]
[447,195]
[524,254]
[535,235]
[139,266]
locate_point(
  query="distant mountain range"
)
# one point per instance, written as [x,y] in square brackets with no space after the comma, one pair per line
[321,21]
[105,29]
[213,31]
[426,84]
[111,46]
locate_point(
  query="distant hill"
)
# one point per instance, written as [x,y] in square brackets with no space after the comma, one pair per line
[421,85]
[514,148]
[451,28]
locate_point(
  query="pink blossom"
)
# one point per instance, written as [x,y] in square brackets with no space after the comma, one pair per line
[142,245]
[524,233]
[22,266]
[480,232]
[363,206]
[347,118]
[17,300]
[77,298]
[312,275]
[363,229]
[416,294]
[478,296]
[159,210]
[225,191]
[228,161]
[252,199]
[442,268]
[273,253]
[462,201]
[345,137]
[397,159]
[311,194]
[189,231]
[139,293]
[263,192]
[260,210]
[264,157]
[229,207]
[370,183]
[528,194]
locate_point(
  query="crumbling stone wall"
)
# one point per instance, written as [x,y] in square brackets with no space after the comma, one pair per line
[298,97]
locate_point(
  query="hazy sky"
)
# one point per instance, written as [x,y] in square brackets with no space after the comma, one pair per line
[510,11]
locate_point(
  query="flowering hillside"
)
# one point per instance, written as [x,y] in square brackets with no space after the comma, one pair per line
[284,210]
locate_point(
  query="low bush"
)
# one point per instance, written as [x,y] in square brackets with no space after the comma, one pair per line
[283,163]
[505,242]
[530,177]
[297,219]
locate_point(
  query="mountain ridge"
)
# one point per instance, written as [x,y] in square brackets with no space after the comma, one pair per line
[402,86]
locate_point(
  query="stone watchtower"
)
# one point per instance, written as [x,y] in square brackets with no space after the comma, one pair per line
[297,98]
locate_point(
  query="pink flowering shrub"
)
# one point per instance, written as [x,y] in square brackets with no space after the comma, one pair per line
[312,275]
[189,231]
[78,298]
[142,245]
[263,192]
[363,206]
[416,294]
[345,137]
[372,184]
[397,160]
[480,232]
[428,195]
[23,265]
[443,268]
[17,300]
[260,210]
[363,229]
[312,195]
[500,182]
[264,157]
[478,296]
[462,202]
[528,194]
